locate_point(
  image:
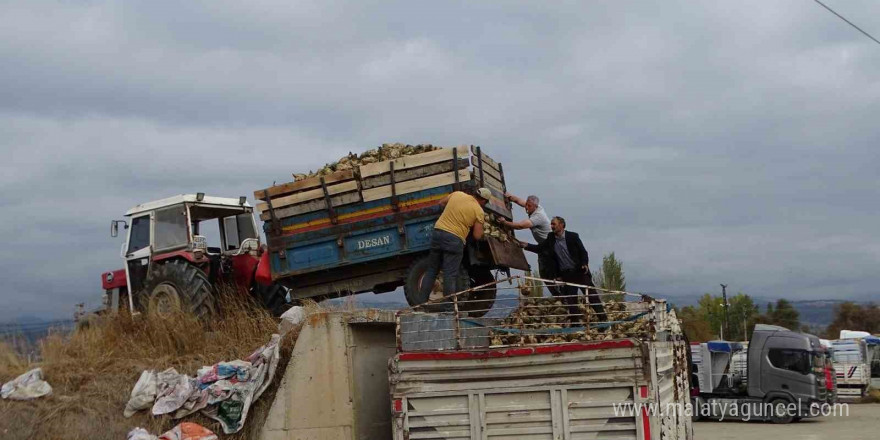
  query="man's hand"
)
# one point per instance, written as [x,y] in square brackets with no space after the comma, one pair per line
[514,199]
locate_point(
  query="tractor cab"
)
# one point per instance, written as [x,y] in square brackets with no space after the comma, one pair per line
[179,249]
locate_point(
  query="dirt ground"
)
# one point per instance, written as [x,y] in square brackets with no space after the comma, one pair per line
[862,423]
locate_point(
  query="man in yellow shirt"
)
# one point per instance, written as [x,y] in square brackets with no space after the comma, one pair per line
[462,213]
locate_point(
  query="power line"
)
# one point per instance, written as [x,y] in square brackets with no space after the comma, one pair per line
[849,22]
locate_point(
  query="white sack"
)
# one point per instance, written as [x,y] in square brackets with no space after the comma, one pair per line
[291,319]
[28,386]
[143,394]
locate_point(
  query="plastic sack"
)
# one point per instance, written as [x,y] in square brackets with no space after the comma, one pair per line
[230,402]
[140,434]
[223,391]
[291,319]
[172,391]
[28,386]
[196,401]
[189,431]
[143,394]
[235,371]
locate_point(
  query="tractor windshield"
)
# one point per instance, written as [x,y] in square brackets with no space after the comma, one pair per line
[223,228]
[170,228]
[237,229]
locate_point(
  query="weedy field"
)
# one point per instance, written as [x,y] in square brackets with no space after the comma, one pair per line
[92,371]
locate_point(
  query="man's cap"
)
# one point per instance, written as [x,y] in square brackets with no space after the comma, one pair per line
[484,194]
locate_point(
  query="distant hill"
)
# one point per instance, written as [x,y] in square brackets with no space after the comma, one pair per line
[811,312]
[24,334]
[816,313]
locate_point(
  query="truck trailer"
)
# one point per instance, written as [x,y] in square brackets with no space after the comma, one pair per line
[367,228]
[452,377]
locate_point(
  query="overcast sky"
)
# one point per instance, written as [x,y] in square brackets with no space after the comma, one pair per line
[703,142]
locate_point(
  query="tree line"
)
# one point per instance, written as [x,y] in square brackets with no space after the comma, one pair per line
[704,321]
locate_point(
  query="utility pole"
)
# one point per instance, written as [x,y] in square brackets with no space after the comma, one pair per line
[725,305]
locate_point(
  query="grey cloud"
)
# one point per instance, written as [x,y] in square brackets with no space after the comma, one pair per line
[704,142]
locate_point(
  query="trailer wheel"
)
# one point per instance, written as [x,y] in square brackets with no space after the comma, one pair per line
[273,297]
[483,299]
[781,415]
[178,285]
[415,276]
[477,276]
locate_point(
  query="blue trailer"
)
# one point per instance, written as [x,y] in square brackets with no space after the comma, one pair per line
[368,228]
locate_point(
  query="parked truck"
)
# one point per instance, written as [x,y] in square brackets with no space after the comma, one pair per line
[452,379]
[784,380]
[368,228]
[853,362]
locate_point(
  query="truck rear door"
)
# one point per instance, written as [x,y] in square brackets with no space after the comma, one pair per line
[562,392]
[531,414]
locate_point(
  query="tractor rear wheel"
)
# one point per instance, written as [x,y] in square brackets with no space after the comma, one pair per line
[273,297]
[178,285]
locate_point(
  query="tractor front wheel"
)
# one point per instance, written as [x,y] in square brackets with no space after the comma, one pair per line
[178,285]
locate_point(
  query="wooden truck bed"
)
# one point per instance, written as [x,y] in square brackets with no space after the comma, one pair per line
[374,220]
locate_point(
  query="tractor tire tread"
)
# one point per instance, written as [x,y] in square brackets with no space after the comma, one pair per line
[191,283]
[273,298]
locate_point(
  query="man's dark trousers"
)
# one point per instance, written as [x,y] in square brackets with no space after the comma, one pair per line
[447,251]
[545,271]
[580,276]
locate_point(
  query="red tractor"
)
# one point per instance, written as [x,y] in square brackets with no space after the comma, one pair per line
[180,249]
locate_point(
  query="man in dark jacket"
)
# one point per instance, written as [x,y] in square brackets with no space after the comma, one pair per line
[571,264]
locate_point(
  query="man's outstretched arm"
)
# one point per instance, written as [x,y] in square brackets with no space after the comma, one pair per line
[522,224]
[536,248]
[515,199]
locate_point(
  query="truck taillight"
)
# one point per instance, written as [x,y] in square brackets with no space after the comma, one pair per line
[397,405]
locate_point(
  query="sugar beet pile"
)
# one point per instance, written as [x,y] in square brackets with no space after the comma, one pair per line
[491,226]
[352,161]
[548,320]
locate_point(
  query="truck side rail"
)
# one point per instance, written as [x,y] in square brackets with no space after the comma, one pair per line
[526,319]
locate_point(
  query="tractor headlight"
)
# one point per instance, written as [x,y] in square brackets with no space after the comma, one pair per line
[109,277]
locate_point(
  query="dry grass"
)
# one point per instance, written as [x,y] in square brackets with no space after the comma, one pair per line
[93,370]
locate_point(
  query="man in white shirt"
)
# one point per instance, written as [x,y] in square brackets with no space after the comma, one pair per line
[539,224]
